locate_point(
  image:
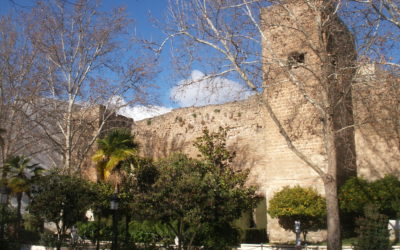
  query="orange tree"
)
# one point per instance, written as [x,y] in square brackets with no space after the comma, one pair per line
[298,203]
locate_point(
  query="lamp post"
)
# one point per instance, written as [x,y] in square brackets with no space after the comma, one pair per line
[114,207]
[4,191]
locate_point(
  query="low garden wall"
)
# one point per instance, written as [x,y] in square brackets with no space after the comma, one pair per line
[288,247]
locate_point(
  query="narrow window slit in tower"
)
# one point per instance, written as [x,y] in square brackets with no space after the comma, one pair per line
[295,59]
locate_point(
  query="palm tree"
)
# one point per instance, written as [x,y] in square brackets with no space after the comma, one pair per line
[20,177]
[118,146]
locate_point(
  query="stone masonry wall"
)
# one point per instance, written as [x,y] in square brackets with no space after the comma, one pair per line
[303,64]
[255,137]
[262,149]
[177,130]
[376,98]
[252,135]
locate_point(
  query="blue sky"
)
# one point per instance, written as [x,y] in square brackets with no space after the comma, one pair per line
[142,12]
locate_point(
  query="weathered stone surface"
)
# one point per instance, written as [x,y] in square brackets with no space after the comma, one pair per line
[365,118]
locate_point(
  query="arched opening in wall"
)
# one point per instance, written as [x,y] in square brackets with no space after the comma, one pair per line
[254,223]
[295,59]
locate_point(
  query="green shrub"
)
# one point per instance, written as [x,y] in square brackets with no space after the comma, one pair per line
[373,232]
[223,236]
[33,223]
[29,237]
[48,239]
[9,245]
[8,217]
[150,233]
[88,230]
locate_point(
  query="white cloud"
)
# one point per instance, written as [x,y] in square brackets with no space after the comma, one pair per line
[137,112]
[197,92]
[140,112]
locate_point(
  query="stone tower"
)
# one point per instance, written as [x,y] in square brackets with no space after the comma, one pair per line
[308,60]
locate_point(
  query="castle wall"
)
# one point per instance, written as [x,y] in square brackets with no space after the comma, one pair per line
[177,130]
[377,114]
[292,69]
[252,135]
[262,149]
[308,62]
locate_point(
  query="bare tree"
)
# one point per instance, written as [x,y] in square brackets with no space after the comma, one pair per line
[18,86]
[376,88]
[83,58]
[298,50]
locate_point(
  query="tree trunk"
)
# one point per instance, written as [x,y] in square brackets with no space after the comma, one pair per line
[98,233]
[180,236]
[179,243]
[68,133]
[305,237]
[127,220]
[59,238]
[19,216]
[114,245]
[333,219]
[330,177]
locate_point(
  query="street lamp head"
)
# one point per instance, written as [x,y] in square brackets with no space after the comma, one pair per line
[114,202]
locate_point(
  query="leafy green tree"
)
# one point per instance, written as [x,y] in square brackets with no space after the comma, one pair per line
[373,233]
[192,197]
[354,195]
[299,203]
[62,200]
[384,194]
[136,175]
[117,147]
[20,176]
[220,233]
[213,149]
[179,198]
[100,208]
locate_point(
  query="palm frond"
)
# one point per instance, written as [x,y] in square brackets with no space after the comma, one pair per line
[116,147]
